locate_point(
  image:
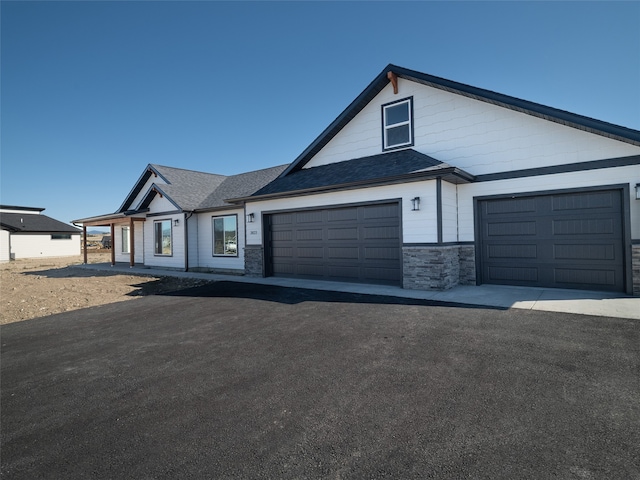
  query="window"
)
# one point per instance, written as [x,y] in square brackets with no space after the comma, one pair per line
[225,235]
[397,124]
[125,239]
[60,236]
[162,237]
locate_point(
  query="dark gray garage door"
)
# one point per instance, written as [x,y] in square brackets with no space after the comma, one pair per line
[356,244]
[568,240]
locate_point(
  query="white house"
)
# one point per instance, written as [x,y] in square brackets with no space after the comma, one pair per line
[424,183]
[27,233]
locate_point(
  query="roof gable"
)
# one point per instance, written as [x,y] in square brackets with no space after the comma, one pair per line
[186,189]
[562,117]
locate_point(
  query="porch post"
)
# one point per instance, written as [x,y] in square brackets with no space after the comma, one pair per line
[84,242]
[132,243]
[113,241]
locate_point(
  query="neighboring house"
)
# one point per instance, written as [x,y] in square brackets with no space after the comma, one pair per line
[425,183]
[27,233]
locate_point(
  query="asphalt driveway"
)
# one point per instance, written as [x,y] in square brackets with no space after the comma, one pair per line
[251,381]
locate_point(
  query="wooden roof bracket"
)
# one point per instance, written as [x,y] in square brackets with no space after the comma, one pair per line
[393,78]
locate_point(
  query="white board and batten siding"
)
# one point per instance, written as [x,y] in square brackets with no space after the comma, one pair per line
[42,245]
[417,226]
[204,231]
[475,136]
[449,212]
[138,247]
[157,208]
[176,260]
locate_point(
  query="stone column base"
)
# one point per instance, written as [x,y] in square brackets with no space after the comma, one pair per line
[438,267]
[254,261]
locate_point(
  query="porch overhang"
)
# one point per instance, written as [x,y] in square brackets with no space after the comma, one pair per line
[111,220]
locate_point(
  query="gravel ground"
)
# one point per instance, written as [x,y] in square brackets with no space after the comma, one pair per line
[31,288]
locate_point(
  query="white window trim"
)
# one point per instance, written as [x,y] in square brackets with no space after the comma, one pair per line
[122,240]
[386,128]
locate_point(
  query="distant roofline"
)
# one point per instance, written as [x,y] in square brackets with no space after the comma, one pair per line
[17,207]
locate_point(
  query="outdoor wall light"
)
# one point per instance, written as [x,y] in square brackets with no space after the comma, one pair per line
[250,218]
[637,191]
[415,203]
[176,222]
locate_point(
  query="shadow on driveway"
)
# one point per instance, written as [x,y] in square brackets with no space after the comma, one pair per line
[294,296]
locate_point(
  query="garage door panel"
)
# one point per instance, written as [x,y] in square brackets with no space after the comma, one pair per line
[384,275]
[570,240]
[511,251]
[308,234]
[518,275]
[283,252]
[591,226]
[308,217]
[359,243]
[579,277]
[382,253]
[283,235]
[282,219]
[342,215]
[383,232]
[501,229]
[349,233]
[510,205]
[348,253]
[342,272]
[310,252]
[585,200]
[584,252]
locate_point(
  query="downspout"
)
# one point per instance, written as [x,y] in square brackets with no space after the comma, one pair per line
[186,240]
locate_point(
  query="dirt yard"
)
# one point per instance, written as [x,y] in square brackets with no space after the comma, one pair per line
[31,288]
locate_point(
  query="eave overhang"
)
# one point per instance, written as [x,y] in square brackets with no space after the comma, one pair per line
[108,219]
[449,174]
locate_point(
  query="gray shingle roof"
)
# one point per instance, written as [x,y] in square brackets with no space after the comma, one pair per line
[376,168]
[241,185]
[188,188]
[32,223]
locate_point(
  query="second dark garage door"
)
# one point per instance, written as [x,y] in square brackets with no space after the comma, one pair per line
[357,244]
[564,240]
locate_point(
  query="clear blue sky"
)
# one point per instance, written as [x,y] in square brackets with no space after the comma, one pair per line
[94,91]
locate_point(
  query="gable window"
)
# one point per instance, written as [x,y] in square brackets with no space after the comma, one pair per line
[162,237]
[397,124]
[125,239]
[225,235]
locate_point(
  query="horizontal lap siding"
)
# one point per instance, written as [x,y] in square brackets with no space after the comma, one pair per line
[473,135]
